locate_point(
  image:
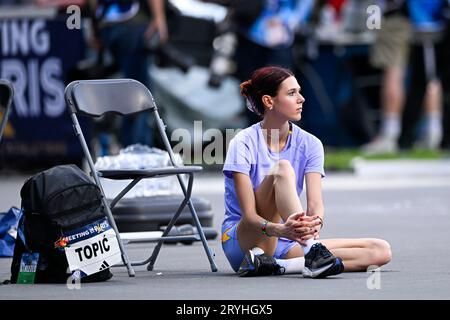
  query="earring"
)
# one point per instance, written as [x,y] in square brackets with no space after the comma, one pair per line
[270,108]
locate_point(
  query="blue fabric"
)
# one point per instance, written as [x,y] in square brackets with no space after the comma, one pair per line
[8,222]
[426,14]
[231,247]
[248,154]
[235,255]
[115,11]
[276,25]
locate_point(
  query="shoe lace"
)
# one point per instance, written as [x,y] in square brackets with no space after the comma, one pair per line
[323,251]
[268,266]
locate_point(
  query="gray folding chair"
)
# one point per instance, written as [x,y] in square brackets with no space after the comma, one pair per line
[124,97]
[6,96]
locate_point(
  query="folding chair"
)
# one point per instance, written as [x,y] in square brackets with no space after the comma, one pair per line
[6,96]
[124,97]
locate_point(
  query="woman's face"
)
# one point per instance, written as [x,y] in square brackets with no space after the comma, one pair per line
[288,103]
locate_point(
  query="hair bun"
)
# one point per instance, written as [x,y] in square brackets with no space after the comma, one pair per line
[246,88]
[263,81]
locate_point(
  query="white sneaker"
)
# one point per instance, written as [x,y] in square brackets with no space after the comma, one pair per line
[257,251]
[431,140]
[380,145]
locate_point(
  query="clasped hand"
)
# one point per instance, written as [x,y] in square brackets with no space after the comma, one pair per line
[300,227]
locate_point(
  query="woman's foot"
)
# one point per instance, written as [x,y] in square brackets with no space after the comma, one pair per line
[320,263]
[259,265]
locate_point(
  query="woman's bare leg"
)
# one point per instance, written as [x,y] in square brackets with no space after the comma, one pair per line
[357,254]
[276,198]
[278,192]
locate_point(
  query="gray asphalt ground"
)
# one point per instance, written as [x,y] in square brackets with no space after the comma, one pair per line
[411,213]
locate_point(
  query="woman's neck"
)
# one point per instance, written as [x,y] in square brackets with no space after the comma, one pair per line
[273,128]
[275,134]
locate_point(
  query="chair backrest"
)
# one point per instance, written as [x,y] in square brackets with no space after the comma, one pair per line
[119,96]
[6,96]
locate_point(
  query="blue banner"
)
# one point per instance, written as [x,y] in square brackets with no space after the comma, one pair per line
[87,231]
[36,55]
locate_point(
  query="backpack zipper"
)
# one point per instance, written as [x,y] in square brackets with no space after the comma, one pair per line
[54,194]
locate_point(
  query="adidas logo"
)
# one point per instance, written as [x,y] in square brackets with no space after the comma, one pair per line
[104,266]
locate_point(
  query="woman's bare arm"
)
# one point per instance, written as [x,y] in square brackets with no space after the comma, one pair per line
[314,201]
[293,228]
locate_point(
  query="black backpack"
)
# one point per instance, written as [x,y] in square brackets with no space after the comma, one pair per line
[54,201]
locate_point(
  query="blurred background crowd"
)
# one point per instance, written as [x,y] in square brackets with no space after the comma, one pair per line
[375,74]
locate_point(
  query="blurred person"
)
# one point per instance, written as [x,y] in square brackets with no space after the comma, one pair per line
[429,64]
[265,35]
[431,136]
[390,53]
[265,229]
[127,29]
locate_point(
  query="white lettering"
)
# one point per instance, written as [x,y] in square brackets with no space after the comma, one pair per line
[39,38]
[374,280]
[374,19]
[24,37]
[193,310]
[215,147]
[19,37]
[50,72]
[183,147]
[15,71]
[33,88]
[74,20]
[74,281]
[198,140]
[5,44]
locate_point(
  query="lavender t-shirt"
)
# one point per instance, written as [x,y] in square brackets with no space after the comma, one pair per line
[248,153]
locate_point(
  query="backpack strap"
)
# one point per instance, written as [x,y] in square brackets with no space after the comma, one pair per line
[20,230]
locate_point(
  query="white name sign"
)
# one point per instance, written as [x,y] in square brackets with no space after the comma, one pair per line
[92,248]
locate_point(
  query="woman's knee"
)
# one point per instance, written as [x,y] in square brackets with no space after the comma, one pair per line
[283,170]
[381,251]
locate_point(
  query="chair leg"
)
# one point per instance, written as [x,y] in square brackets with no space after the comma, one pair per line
[187,200]
[109,215]
[172,221]
[125,258]
[208,251]
[158,246]
[4,120]
[187,193]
